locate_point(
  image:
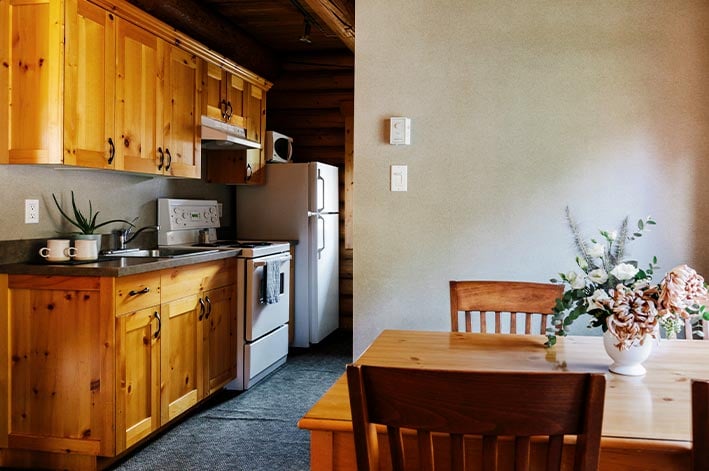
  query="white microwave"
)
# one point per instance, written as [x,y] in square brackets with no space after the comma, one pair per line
[279,147]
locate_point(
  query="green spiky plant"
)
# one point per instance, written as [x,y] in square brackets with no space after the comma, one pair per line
[85,224]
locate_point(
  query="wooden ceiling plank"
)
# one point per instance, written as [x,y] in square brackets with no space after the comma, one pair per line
[215,32]
[338,15]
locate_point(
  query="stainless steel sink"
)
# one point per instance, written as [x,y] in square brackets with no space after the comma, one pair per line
[162,252]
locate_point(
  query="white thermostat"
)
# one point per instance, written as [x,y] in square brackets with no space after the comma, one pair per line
[399,131]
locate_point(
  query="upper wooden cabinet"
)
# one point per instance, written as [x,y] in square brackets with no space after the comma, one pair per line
[224,96]
[31,61]
[181,113]
[229,98]
[99,83]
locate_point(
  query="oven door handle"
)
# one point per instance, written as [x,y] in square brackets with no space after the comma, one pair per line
[283,259]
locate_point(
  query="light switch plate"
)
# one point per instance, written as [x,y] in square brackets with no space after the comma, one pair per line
[399,177]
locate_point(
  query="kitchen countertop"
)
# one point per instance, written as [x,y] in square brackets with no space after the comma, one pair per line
[113,266]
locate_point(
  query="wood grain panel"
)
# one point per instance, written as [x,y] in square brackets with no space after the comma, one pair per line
[137,292]
[56,379]
[35,79]
[196,278]
[182,356]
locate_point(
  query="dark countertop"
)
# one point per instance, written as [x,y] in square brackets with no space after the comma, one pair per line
[114,267]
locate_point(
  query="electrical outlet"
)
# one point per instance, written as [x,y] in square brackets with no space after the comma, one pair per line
[31,211]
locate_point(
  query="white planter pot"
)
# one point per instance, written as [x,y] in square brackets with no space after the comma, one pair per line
[629,361]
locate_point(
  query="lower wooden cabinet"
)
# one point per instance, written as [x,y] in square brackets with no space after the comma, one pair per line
[95,365]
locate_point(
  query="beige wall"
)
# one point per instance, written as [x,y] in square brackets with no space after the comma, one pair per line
[518,109]
[114,194]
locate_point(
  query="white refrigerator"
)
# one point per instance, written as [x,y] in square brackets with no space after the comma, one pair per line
[300,201]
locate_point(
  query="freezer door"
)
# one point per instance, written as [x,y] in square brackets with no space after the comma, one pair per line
[324,188]
[324,276]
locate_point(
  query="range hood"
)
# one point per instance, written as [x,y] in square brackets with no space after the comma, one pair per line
[218,135]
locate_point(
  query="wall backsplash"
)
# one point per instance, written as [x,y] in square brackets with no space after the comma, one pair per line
[116,195]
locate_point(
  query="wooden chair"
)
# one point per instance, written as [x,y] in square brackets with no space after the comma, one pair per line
[489,405]
[532,300]
[700,425]
[688,330]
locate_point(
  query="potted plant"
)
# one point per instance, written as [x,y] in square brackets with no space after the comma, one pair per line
[86,224]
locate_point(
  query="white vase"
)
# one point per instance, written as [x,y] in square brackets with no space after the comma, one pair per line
[628,361]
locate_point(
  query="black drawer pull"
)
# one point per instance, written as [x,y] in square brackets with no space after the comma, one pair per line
[142,291]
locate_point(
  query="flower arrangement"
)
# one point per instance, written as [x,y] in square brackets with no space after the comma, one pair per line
[620,296]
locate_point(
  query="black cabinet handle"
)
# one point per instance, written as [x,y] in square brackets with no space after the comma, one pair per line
[201,308]
[169,159]
[157,332]
[209,305]
[162,158]
[142,291]
[111,151]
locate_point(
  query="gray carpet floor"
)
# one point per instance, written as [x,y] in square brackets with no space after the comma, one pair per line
[254,430]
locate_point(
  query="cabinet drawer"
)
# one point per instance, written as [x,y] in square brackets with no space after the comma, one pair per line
[190,279]
[137,292]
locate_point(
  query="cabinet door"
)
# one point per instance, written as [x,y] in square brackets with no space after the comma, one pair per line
[138,376]
[213,87]
[181,110]
[235,90]
[138,83]
[32,50]
[220,337]
[61,374]
[182,353]
[89,86]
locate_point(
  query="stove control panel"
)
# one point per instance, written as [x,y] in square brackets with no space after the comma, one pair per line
[180,220]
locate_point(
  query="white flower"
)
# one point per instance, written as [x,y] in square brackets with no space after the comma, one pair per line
[595,301]
[596,250]
[576,281]
[598,276]
[624,271]
[612,235]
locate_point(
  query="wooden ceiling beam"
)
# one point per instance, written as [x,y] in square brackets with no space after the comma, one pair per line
[339,16]
[214,32]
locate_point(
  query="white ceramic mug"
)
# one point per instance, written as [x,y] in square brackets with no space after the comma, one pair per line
[84,249]
[57,250]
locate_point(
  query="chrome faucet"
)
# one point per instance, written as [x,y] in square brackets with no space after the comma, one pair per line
[126,235]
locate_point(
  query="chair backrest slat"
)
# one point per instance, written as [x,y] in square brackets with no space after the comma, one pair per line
[486,405]
[507,300]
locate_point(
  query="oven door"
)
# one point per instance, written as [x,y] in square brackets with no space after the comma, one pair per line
[261,319]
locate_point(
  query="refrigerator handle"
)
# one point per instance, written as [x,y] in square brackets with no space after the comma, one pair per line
[321,249]
[321,180]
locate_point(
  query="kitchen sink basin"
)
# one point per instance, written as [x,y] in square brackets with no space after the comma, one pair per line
[162,252]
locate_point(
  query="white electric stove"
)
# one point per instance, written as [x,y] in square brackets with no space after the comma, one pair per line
[262,337]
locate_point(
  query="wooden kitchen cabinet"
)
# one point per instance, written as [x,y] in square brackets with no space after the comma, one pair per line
[83,86]
[224,95]
[230,98]
[138,340]
[31,61]
[181,113]
[89,91]
[60,366]
[95,365]
[102,84]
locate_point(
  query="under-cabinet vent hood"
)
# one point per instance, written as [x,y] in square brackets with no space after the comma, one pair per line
[218,135]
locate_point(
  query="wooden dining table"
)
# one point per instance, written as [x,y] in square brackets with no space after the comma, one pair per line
[646,420]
